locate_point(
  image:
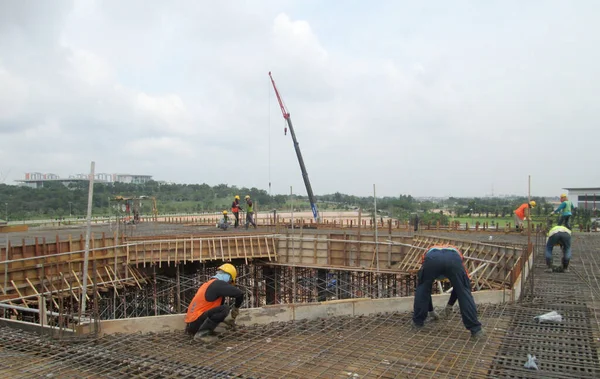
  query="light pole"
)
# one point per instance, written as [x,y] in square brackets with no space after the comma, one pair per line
[6,211]
[70,209]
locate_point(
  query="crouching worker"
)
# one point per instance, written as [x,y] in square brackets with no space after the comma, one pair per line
[445,261]
[561,236]
[207,308]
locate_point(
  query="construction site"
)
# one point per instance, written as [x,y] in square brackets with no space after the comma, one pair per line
[322,301]
[324,297]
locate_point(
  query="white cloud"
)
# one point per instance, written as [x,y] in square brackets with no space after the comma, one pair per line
[395,94]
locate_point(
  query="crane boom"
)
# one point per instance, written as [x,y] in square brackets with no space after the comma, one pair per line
[286,116]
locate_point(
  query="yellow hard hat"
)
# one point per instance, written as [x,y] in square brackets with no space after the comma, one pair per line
[532,203]
[563,195]
[237,197]
[228,268]
[224,212]
[247,197]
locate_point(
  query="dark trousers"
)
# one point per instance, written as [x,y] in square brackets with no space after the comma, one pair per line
[560,238]
[445,263]
[250,219]
[216,315]
[237,219]
[564,220]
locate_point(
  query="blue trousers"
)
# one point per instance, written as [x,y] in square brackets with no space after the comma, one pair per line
[560,238]
[449,264]
[564,220]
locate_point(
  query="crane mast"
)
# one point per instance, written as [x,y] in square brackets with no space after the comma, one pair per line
[288,119]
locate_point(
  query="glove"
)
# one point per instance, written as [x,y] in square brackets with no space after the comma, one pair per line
[447,312]
[234,312]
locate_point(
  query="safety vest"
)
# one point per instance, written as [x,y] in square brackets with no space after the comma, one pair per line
[249,209]
[558,229]
[447,247]
[568,207]
[520,212]
[235,207]
[199,305]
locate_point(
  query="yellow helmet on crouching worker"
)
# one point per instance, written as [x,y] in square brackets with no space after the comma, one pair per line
[532,203]
[225,212]
[229,269]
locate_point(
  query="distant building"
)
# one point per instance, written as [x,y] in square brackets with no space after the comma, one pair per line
[585,198]
[37,179]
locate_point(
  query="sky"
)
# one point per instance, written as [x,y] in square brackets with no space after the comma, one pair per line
[429,98]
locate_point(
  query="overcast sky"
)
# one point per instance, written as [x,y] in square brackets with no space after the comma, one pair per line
[429,98]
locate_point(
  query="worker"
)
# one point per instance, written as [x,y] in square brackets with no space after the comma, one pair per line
[523,213]
[207,308]
[445,262]
[224,222]
[558,236]
[249,213]
[235,209]
[567,207]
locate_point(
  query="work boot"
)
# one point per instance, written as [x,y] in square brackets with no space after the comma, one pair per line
[447,312]
[206,332]
[416,327]
[434,315]
[548,265]
[477,335]
[565,263]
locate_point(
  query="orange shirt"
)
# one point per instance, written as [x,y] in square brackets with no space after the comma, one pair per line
[199,303]
[520,212]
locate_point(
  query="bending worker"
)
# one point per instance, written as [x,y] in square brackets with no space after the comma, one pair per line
[206,310]
[522,213]
[445,261]
[567,207]
[235,209]
[559,235]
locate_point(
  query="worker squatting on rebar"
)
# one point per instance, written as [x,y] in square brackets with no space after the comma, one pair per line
[441,262]
[207,309]
[249,213]
[224,222]
[558,236]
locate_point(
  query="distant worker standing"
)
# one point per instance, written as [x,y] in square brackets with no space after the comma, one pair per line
[206,310]
[523,213]
[561,236]
[235,209]
[566,206]
[249,213]
[445,262]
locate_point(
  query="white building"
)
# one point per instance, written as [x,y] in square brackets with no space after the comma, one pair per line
[585,198]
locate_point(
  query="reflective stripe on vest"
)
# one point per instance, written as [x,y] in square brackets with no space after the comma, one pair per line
[199,305]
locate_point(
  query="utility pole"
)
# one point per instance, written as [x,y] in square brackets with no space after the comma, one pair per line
[70,209]
[6,211]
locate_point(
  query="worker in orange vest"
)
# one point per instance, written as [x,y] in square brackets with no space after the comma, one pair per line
[441,262]
[207,309]
[522,213]
[235,209]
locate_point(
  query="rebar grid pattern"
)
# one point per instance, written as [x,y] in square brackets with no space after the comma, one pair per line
[378,346]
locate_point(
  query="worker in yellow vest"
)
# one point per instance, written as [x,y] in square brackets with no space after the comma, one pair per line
[249,213]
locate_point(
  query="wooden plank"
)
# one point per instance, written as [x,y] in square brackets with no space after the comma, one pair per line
[19,292]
